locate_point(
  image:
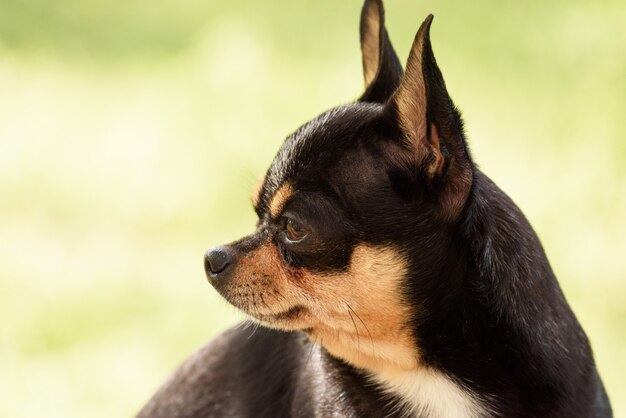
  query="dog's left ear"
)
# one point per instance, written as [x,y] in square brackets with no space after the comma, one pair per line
[432,131]
[381,67]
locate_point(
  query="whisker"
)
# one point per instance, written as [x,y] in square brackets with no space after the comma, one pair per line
[265,303]
[311,351]
[358,338]
[256,327]
[365,326]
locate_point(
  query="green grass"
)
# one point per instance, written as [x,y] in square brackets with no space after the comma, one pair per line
[131,135]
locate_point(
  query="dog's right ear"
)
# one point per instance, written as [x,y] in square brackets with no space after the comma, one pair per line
[381,67]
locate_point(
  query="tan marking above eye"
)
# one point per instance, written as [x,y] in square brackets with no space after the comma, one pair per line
[280,198]
[256,191]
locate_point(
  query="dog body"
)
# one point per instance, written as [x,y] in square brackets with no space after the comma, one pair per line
[266,373]
[394,277]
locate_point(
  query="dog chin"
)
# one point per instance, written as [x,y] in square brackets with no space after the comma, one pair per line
[294,318]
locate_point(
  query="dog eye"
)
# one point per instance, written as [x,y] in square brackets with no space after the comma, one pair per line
[295,232]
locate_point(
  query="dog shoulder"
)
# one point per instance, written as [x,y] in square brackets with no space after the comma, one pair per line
[233,375]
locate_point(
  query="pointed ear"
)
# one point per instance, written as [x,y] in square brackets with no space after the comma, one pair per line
[381,67]
[431,127]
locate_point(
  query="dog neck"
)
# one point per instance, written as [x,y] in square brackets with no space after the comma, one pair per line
[429,392]
[393,365]
[376,350]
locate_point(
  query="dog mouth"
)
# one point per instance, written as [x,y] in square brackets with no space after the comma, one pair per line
[290,314]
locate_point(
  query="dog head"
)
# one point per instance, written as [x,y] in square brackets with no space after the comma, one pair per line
[357,213]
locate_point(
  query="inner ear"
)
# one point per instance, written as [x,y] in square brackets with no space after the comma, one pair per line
[431,129]
[370,40]
[382,70]
[437,150]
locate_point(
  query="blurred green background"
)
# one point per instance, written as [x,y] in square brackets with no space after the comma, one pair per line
[132,133]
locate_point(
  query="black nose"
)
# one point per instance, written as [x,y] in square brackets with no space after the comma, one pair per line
[217,260]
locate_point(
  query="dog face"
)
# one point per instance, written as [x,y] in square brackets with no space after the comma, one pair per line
[357,213]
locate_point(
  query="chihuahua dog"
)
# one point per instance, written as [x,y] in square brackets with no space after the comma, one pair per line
[391,276]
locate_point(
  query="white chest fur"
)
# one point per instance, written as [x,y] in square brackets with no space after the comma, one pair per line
[430,393]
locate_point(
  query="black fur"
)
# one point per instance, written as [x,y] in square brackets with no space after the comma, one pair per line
[263,373]
[492,315]
[389,72]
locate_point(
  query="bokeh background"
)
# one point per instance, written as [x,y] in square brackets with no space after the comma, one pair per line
[132,133]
